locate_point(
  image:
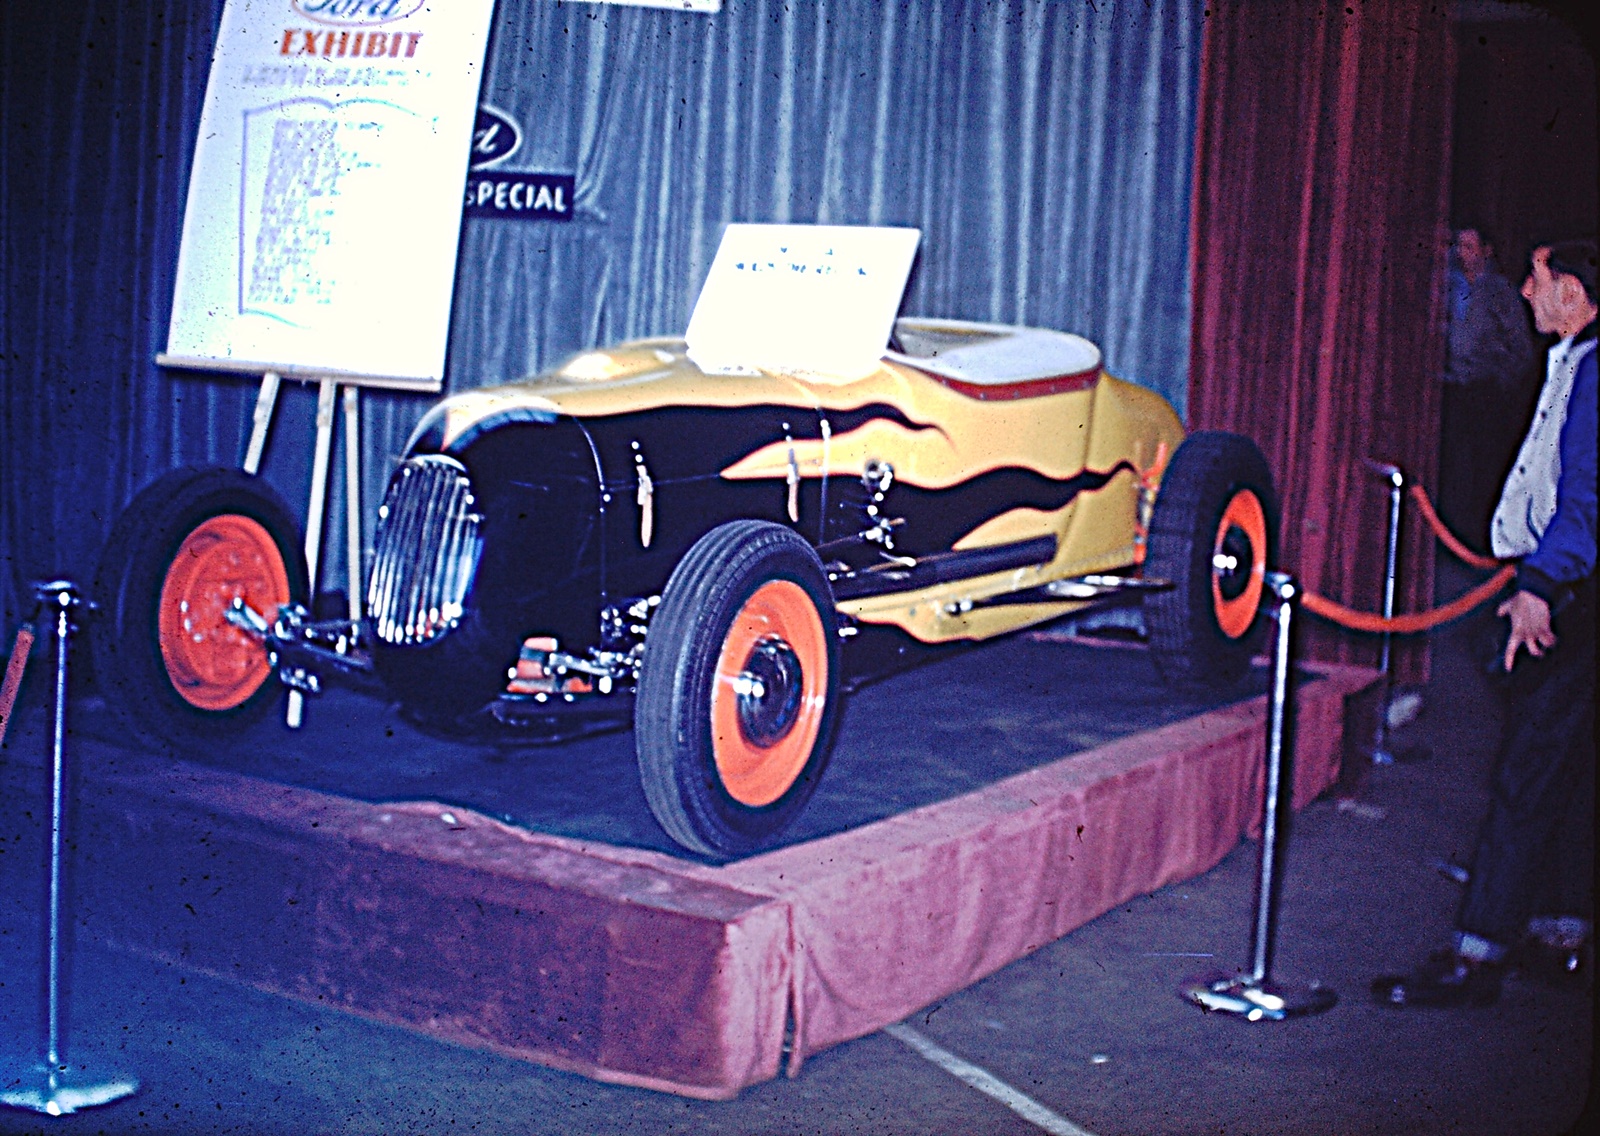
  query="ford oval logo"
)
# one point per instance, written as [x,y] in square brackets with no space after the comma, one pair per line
[356,13]
[495,137]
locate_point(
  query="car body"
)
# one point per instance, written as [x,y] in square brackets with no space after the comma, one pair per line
[930,497]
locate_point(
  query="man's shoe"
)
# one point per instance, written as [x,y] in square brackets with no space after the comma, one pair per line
[1446,979]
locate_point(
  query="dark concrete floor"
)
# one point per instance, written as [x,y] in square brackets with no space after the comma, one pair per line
[1091,1026]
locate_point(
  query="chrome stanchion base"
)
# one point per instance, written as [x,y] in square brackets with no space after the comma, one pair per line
[63,1089]
[1258,998]
[1265,1001]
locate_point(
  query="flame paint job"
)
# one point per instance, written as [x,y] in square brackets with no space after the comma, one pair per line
[1061,458]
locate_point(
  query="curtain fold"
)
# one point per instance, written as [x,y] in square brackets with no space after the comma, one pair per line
[1318,328]
[1045,150]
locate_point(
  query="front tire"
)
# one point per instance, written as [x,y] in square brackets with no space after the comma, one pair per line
[170,665]
[1213,534]
[738,689]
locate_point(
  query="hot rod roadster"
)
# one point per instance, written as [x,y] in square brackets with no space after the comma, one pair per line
[634,533]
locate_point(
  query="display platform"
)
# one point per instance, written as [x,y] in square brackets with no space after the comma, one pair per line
[523,900]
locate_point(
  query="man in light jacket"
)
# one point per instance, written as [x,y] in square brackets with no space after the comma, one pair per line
[1530,891]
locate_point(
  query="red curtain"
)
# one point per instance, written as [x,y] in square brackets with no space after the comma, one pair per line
[1320,213]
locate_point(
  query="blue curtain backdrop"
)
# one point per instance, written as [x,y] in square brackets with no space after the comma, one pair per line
[1045,150]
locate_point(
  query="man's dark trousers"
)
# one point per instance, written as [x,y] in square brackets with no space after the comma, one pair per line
[1535,853]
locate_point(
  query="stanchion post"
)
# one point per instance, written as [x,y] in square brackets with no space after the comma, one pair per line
[1381,754]
[1397,481]
[1257,997]
[54,1085]
[1272,792]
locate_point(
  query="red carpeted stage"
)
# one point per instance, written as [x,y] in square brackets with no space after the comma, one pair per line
[634,966]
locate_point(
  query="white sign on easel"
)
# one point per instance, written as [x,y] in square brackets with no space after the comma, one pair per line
[324,203]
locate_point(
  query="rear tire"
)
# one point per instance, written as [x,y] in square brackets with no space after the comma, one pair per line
[738,690]
[1213,534]
[170,666]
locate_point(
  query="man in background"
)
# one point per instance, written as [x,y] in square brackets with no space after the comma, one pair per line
[1486,385]
[1530,889]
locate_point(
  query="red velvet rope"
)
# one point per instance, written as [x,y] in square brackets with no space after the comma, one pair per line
[1425,620]
[1412,623]
[13,679]
[1446,537]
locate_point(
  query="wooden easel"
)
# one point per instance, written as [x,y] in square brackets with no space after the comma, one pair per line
[317,507]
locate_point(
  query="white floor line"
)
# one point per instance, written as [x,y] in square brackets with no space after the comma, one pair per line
[987,1083]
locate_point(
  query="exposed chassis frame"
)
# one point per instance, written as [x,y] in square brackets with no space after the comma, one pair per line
[305,652]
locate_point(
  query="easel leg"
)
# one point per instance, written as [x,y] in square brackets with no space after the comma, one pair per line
[316,510]
[266,399]
[352,497]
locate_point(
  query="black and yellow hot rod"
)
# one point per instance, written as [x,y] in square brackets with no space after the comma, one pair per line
[629,534]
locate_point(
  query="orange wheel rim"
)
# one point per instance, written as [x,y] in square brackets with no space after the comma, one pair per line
[214,665]
[769,693]
[1239,563]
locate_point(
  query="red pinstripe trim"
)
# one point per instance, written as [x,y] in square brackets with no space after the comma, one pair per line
[1028,388]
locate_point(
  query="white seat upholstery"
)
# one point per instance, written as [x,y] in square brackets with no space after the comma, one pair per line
[991,354]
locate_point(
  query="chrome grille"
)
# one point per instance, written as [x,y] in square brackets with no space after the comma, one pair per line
[426,553]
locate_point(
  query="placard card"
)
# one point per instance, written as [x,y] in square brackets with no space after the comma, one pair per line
[815,298]
[325,199]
